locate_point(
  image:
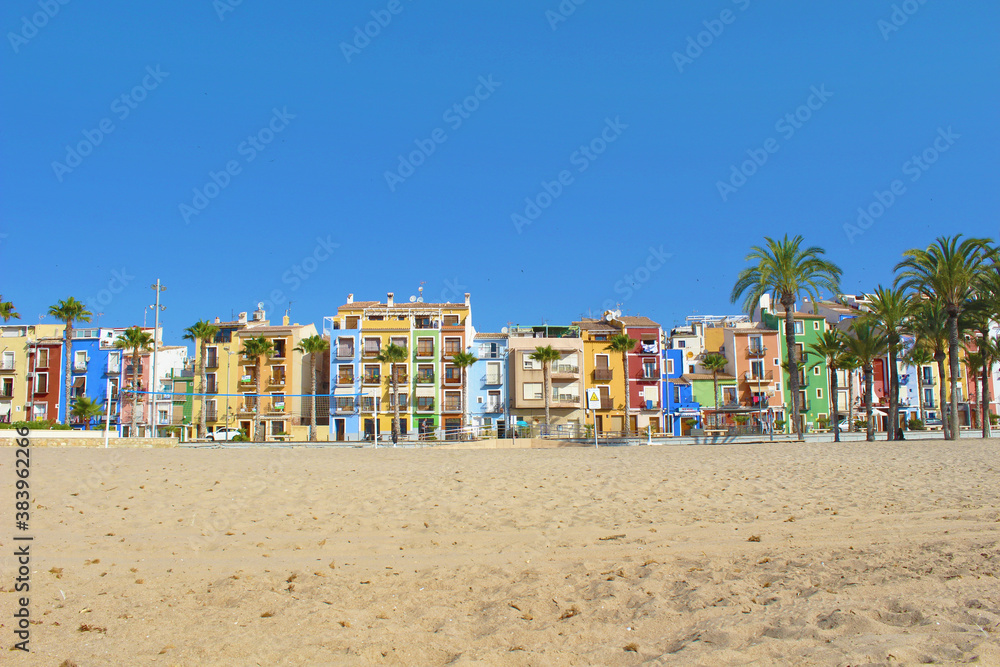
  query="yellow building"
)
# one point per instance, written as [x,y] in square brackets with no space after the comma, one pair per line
[602,370]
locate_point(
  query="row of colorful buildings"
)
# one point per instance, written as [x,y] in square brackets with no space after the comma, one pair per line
[669,389]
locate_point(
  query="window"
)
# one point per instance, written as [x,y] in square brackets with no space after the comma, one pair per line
[43,358]
[452,401]
[677,394]
[114,362]
[398,341]
[373,374]
[816,370]
[775,361]
[370,404]
[399,373]
[649,369]
[493,372]
[345,347]
[8,361]
[277,402]
[345,374]
[529,363]
[372,346]
[210,386]
[681,344]
[279,347]
[690,368]
[212,357]
[452,373]
[777,386]
[425,403]
[162,416]
[425,347]
[756,369]
[600,337]
[451,320]
[452,346]
[345,404]
[816,325]
[278,375]
[425,374]
[402,401]
[351,322]
[670,366]
[819,393]
[648,346]
[41,383]
[799,329]
[80,360]
[729,394]
[532,391]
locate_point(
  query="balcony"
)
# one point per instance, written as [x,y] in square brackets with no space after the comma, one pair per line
[277,381]
[372,378]
[757,378]
[454,379]
[7,392]
[79,368]
[565,369]
[345,380]
[646,375]
[211,415]
[247,383]
[493,407]
[756,351]
[425,351]
[7,365]
[607,404]
[425,324]
[345,351]
[276,408]
[603,374]
[492,380]
[452,406]
[345,406]
[211,388]
[401,378]
[928,381]
[425,378]
[212,361]
[425,406]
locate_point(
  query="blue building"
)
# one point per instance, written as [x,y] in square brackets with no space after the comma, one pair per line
[345,379]
[487,386]
[96,372]
[678,402]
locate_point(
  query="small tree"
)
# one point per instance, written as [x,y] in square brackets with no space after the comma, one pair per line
[85,408]
[7,312]
[546,355]
[464,360]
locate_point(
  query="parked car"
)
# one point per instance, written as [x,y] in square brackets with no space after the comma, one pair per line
[932,422]
[224,434]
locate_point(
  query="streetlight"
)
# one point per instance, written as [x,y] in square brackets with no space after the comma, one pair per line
[229,374]
[156,328]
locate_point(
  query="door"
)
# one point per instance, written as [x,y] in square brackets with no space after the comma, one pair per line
[501,429]
[403,430]
[339,426]
[599,424]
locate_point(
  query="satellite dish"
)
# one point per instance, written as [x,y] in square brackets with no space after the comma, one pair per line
[690,354]
[412,298]
[503,330]
[609,315]
[260,305]
[618,314]
[420,299]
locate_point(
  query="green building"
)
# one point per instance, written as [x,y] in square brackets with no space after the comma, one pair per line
[814,383]
[183,403]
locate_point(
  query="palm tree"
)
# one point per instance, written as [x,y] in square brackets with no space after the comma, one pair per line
[830,347]
[866,345]
[974,362]
[546,355]
[258,349]
[784,269]
[393,354]
[622,344]
[949,268]
[930,326]
[85,409]
[7,311]
[919,356]
[714,363]
[850,364]
[314,346]
[891,310]
[202,331]
[136,341]
[464,360]
[69,311]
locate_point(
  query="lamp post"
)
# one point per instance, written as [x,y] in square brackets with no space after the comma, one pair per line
[156,331]
[229,374]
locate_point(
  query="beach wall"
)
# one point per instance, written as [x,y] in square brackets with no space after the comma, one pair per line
[82,439]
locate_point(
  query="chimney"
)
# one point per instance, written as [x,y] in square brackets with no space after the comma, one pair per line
[217,320]
[284,320]
[350,298]
[466,299]
[243,318]
[389,299]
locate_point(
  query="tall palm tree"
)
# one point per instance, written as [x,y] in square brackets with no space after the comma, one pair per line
[919,356]
[949,268]
[136,341]
[867,344]
[464,360]
[891,310]
[7,311]
[622,344]
[393,354]
[974,362]
[784,269]
[930,326]
[314,346]
[202,332]
[258,349]
[830,347]
[69,311]
[545,356]
[85,409]
[714,363]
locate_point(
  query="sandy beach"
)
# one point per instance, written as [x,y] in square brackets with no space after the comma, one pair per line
[848,554]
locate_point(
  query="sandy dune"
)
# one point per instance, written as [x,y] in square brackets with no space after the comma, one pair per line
[767,554]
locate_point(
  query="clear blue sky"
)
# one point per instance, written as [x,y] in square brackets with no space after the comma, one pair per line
[208,79]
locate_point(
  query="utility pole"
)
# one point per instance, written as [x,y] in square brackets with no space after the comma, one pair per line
[156,330]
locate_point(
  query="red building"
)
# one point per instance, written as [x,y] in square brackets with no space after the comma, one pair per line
[44,377]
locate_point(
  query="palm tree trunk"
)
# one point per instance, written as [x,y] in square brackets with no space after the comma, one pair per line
[850,400]
[312,411]
[68,374]
[788,302]
[548,393]
[465,392]
[943,395]
[833,396]
[868,403]
[893,426]
[258,428]
[715,388]
[134,421]
[985,398]
[628,401]
[203,418]
[953,362]
[395,405]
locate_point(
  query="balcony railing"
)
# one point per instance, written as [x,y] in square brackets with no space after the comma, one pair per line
[277,380]
[756,351]
[649,376]
[212,361]
[79,367]
[372,379]
[758,378]
[369,352]
[211,415]
[345,407]
[276,408]
[425,379]
[344,352]
[452,406]
[211,388]
[345,379]
[425,407]
[425,351]
[607,404]
[565,369]
[7,393]
[603,374]
[492,379]
[7,365]
[494,407]
[455,379]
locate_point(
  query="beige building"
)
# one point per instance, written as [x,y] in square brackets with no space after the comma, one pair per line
[527,398]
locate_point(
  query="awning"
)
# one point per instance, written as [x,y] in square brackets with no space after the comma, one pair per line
[79,382]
